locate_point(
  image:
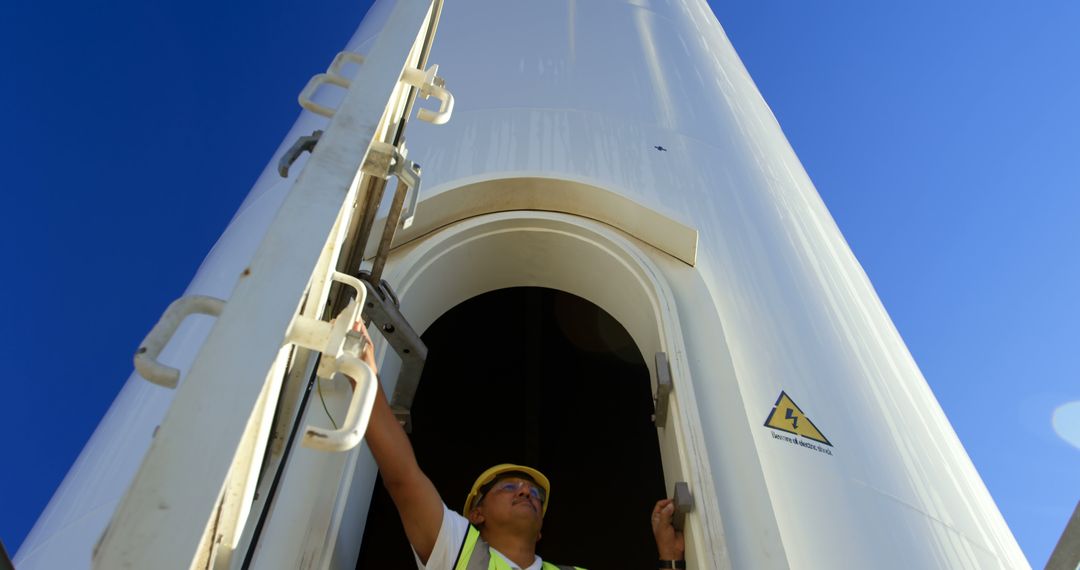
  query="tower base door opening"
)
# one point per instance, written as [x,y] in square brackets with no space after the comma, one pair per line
[544,378]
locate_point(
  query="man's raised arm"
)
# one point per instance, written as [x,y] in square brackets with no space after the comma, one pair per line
[417,501]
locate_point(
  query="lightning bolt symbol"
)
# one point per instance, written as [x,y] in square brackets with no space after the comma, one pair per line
[791,416]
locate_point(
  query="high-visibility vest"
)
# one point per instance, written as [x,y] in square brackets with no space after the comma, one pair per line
[475,554]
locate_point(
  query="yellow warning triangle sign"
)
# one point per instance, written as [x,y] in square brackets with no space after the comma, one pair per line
[786,416]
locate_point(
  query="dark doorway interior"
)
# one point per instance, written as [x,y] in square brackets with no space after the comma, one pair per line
[540,377]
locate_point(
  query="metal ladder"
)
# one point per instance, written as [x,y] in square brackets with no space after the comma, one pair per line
[294,312]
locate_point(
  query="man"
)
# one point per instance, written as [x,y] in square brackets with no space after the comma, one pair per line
[504,511]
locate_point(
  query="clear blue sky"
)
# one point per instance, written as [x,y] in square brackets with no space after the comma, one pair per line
[943,136]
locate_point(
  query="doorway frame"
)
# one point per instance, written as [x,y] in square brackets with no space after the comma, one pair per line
[582,257]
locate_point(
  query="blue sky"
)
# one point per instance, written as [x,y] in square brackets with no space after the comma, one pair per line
[943,136]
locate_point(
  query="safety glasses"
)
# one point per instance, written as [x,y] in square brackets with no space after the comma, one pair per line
[513,486]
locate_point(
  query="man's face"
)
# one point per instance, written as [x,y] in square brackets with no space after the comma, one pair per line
[512,500]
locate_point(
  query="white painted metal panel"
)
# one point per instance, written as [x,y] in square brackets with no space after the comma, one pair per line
[586,91]
[180,500]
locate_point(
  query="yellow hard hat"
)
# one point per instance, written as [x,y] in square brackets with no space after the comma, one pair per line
[493,473]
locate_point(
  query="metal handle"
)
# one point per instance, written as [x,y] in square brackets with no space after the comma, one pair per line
[410,175]
[332,76]
[684,503]
[332,339]
[146,362]
[356,420]
[313,85]
[341,59]
[302,144]
[446,106]
[355,283]
[431,86]
[663,389]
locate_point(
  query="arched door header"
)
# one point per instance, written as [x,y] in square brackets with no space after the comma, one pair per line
[474,198]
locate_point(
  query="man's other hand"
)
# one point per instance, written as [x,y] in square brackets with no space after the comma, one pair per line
[669,542]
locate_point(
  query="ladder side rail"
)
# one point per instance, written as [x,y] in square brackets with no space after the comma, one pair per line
[163,519]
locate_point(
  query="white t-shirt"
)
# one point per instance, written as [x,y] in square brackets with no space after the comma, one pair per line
[451,535]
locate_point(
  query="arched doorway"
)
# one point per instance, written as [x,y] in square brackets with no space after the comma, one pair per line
[545,378]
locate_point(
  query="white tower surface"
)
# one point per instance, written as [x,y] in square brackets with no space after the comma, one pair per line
[619,150]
